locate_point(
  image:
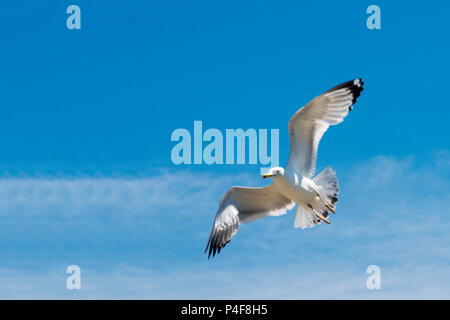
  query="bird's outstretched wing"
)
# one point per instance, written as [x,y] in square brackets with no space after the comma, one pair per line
[241,205]
[308,124]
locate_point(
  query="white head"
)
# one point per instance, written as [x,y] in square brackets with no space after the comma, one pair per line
[274,172]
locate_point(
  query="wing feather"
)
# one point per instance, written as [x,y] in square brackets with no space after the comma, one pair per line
[309,124]
[242,205]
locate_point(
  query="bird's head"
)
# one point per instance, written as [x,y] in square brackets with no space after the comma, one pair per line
[274,172]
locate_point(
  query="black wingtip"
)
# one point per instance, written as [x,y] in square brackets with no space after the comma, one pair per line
[355,86]
[210,250]
[213,247]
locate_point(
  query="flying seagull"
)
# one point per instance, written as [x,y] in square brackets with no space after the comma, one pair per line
[315,197]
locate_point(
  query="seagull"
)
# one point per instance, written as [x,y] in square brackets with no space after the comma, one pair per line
[315,197]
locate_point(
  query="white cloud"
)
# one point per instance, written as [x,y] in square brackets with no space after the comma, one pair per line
[68,196]
[392,212]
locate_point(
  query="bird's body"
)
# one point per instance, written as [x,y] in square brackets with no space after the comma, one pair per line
[315,197]
[295,187]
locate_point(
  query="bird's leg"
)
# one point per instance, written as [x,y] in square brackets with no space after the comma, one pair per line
[328,205]
[321,216]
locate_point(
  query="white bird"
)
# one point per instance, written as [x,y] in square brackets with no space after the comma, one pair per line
[294,184]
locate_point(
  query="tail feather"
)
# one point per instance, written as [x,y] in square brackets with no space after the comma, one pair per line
[329,184]
[306,218]
[329,187]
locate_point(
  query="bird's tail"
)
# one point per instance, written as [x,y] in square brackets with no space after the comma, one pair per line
[329,188]
[329,185]
[305,217]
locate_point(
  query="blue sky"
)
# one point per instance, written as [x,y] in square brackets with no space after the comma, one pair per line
[86,176]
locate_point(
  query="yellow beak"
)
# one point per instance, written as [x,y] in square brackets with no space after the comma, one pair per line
[267,175]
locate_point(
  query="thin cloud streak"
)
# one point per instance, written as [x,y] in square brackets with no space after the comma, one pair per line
[182,190]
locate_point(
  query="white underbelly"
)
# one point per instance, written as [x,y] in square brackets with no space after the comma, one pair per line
[298,191]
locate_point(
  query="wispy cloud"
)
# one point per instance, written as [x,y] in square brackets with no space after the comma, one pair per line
[392,212]
[68,196]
